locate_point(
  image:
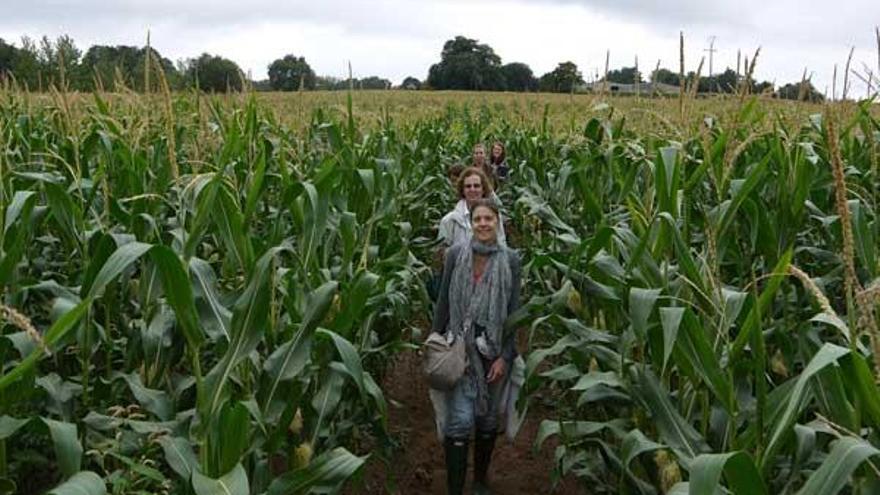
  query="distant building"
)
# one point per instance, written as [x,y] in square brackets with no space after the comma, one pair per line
[645,89]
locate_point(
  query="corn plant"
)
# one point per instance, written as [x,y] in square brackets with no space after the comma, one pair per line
[201,294]
[198,301]
[711,325]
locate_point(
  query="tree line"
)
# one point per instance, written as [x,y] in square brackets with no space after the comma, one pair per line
[465,64]
[726,82]
[39,65]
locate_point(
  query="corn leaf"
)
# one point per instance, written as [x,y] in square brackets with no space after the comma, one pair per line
[235,482]
[325,474]
[81,483]
[738,468]
[845,457]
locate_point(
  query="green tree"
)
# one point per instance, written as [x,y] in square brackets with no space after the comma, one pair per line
[104,65]
[762,87]
[411,83]
[797,90]
[726,82]
[625,75]
[373,82]
[291,72]
[665,76]
[8,54]
[67,58]
[47,60]
[56,60]
[519,77]
[563,79]
[467,65]
[213,73]
[328,83]
[27,68]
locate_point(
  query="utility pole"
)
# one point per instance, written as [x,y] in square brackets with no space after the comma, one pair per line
[711,51]
[638,77]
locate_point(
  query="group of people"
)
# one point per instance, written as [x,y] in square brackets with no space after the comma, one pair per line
[479,288]
[480,180]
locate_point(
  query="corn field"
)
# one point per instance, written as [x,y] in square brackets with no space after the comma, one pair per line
[200,295]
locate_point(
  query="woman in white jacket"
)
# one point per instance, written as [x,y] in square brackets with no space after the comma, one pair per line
[455,227]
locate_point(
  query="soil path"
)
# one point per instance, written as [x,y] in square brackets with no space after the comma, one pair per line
[418,468]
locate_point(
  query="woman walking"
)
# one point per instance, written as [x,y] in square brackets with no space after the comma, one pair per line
[479,290]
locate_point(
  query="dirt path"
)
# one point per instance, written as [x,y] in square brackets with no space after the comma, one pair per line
[419,467]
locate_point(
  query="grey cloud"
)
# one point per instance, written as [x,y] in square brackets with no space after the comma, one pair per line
[669,14]
[798,22]
[380,17]
[407,35]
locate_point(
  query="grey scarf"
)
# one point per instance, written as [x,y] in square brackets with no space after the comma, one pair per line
[484,304]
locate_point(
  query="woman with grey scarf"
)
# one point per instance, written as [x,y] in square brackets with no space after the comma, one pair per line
[479,290]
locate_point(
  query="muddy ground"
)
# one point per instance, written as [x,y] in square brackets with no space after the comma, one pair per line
[418,467]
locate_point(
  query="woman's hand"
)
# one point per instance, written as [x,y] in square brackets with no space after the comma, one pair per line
[496,371]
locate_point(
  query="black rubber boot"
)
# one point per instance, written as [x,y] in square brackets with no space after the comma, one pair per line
[456,464]
[483,446]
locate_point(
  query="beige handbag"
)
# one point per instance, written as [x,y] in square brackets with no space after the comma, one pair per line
[445,362]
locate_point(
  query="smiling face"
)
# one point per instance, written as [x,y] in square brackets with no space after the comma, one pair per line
[479,154]
[473,188]
[497,150]
[485,224]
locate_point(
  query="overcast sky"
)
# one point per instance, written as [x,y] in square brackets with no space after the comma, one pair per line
[398,38]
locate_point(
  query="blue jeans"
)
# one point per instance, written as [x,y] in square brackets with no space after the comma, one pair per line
[461,411]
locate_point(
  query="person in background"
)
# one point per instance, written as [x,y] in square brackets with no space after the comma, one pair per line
[480,288]
[480,160]
[498,162]
[501,172]
[453,172]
